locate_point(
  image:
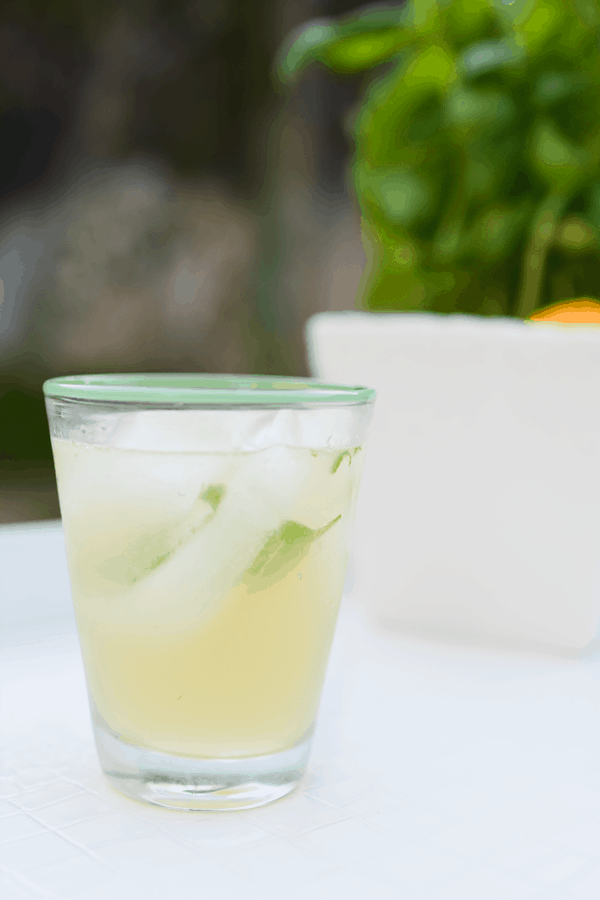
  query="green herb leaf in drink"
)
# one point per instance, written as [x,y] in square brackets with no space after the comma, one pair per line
[214,495]
[281,553]
[343,455]
[149,551]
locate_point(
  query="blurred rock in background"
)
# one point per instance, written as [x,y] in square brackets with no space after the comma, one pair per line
[164,207]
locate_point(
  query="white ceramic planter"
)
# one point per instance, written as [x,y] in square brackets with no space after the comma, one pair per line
[480,501]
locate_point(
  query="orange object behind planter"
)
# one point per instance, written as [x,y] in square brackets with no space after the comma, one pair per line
[570,312]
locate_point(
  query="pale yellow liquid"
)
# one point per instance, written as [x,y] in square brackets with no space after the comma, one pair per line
[187,658]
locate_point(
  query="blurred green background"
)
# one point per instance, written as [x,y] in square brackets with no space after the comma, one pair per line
[165,205]
[184,183]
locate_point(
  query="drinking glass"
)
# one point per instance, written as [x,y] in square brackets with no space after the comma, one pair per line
[207,522]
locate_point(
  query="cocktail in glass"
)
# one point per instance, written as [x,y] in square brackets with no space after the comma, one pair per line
[207,522]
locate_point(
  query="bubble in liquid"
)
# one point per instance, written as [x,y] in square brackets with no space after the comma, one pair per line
[299,576]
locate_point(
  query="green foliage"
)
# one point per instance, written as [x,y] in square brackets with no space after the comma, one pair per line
[353,45]
[477,149]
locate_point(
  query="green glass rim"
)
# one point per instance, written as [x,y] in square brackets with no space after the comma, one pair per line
[171,389]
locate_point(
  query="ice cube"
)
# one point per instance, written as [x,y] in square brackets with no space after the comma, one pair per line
[230,430]
[196,431]
[198,573]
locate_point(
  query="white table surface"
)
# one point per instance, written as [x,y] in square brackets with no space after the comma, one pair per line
[439,772]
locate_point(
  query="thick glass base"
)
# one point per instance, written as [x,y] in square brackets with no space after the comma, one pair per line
[180,782]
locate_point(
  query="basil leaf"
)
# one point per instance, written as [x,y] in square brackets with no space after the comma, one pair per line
[281,553]
[339,459]
[214,495]
[149,551]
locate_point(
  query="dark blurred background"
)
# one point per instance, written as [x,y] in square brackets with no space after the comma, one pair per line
[164,205]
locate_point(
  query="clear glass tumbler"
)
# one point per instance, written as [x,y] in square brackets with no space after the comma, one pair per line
[207,522]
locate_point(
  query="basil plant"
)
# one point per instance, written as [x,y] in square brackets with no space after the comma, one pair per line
[476,149]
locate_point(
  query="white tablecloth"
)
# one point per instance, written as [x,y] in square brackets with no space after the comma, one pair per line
[439,772]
